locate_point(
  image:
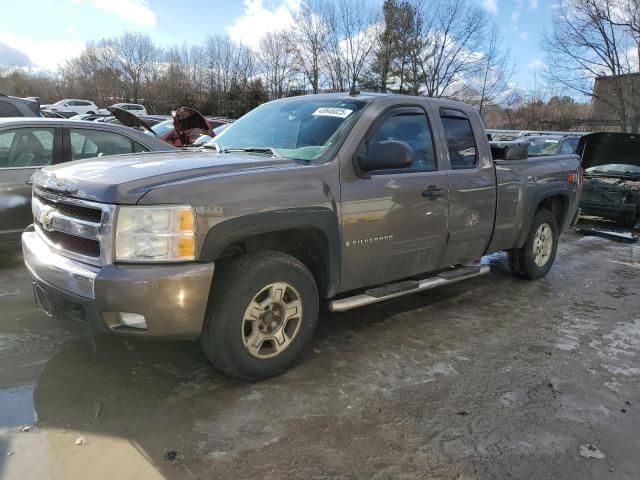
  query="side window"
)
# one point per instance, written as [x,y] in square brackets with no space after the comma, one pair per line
[87,143]
[26,147]
[569,146]
[6,140]
[462,145]
[412,129]
[8,110]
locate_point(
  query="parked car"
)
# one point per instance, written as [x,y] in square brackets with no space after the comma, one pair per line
[551,144]
[70,105]
[345,199]
[18,107]
[134,108]
[89,117]
[611,163]
[27,144]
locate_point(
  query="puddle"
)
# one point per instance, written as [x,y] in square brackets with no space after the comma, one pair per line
[17,406]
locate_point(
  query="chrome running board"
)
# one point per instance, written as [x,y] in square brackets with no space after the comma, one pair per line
[393,290]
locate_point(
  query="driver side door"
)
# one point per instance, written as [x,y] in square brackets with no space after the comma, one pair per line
[394,221]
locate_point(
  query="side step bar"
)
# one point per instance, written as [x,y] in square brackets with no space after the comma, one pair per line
[393,290]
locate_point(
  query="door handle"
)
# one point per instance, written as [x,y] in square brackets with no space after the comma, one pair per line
[432,192]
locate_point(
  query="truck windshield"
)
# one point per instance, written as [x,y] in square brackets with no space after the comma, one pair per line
[298,129]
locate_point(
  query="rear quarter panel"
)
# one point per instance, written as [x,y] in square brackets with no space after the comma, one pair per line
[522,185]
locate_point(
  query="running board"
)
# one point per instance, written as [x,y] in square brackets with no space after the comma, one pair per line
[393,290]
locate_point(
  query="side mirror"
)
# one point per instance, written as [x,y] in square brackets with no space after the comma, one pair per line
[389,154]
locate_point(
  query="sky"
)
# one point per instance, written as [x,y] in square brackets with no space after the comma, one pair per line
[43,33]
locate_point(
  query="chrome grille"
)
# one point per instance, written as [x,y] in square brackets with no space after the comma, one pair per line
[76,228]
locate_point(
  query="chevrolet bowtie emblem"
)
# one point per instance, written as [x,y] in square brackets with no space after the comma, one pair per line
[45,217]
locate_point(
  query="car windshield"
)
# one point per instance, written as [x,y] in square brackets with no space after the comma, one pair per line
[162,127]
[615,168]
[299,129]
[542,146]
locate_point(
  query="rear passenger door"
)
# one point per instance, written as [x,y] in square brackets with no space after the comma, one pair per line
[472,184]
[82,143]
[394,221]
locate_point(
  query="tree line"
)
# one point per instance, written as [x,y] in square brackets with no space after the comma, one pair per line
[441,48]
[437,48]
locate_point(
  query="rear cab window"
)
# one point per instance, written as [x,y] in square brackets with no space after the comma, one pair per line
[461,142]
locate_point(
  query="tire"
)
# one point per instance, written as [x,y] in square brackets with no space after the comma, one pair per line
[536,257]
[236,336]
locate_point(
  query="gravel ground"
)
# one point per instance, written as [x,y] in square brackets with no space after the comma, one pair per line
[490,378]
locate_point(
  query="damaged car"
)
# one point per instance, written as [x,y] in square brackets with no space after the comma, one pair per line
[611,165]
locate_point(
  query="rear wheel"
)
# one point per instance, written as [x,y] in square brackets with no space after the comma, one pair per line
[536,257]
[263,312]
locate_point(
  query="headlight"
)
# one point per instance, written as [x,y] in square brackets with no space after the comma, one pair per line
[155,234]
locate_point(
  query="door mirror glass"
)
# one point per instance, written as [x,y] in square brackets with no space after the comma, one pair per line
[388,154]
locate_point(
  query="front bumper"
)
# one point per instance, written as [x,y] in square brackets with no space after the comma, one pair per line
[172,298]
[615,211]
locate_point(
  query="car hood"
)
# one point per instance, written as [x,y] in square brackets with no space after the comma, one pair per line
[189,124]
[128,119]
[124,179]
[606,148]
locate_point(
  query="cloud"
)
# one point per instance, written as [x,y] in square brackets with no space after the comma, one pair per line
[490,5]
[134,11]
[537,64]
[45,54]
[10,56]
[258,19]
[533,4]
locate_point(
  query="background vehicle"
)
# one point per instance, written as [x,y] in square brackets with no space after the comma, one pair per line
[551,144]
[611,163]
[166,131]
[31,143]
[18,107]
[134,108]
[345,199]
[71,105]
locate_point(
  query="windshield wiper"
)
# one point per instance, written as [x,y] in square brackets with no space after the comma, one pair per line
[260,150]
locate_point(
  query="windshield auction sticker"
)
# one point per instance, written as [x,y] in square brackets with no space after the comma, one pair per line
[332,112]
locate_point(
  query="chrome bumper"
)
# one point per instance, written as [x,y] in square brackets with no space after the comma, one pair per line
[171,298]
[49,267]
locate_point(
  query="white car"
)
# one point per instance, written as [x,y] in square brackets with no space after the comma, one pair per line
[135,108]
[72,105]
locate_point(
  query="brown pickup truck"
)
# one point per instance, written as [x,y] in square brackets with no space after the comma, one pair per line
[343,199]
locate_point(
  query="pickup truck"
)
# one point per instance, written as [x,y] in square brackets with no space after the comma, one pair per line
[342,200]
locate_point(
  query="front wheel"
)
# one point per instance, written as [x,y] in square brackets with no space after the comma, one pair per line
[536,257]
[263,312]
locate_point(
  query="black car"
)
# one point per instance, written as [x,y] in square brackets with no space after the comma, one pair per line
[27,144]
[18,107]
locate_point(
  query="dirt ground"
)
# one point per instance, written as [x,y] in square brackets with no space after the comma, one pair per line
[488,379]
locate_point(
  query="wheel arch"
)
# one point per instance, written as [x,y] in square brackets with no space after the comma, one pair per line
[554,199]
[309,234]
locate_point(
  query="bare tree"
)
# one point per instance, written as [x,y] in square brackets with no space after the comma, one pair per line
[456,31]
[134,52]
[358,31]
[275,57]
[497,70]
[586,43]
[310,36]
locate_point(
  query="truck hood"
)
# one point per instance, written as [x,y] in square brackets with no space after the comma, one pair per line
[124,179]
[605,148]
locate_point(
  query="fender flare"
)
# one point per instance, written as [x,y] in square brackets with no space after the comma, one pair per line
[536,199]
[234,230]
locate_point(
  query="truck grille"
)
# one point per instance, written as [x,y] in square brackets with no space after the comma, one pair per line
[75,228]
[75,211]
[83,246]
